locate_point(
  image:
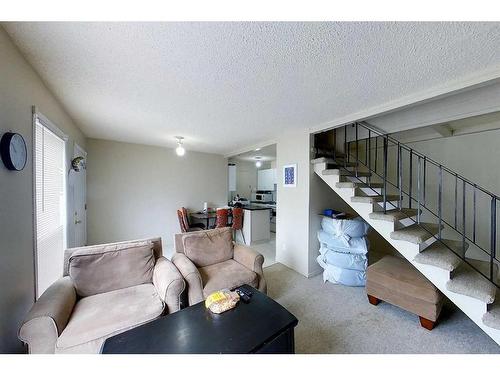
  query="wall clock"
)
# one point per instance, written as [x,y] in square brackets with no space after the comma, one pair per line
[13,151]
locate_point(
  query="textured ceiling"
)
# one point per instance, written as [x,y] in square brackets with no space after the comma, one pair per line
[225,86]
[267,153]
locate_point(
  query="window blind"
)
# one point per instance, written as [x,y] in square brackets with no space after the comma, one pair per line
[50,205]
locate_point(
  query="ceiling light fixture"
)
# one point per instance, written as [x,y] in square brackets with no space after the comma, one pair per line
[258,163]
[180,151]
[257,149]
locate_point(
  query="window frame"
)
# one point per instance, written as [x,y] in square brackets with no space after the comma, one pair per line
[38,116]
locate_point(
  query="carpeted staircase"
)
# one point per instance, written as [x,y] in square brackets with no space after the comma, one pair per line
[443,261]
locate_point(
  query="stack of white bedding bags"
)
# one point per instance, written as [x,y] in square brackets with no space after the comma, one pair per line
[343,251]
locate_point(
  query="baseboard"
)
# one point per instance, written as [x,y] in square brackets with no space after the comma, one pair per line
[315,273]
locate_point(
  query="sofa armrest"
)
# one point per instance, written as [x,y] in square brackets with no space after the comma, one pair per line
[192,277]
[252,260]
[48,317]
[168,283]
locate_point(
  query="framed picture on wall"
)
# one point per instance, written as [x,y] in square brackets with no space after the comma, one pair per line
[290,175]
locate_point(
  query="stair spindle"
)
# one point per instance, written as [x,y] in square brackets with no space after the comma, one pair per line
[463,217]
[493,232]
[440,199]
[369,155]
[418,189]
[474,213]
[334,144]
[357,149]
[385,174]
[411,179]
[346,152]
[456,199]
[400,177]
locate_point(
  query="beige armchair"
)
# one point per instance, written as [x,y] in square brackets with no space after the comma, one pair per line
[209,260]
[105,290]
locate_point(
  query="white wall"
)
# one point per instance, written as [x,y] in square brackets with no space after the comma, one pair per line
[246,178]
[292,219]
[467,103]
[474,156]
[134,190]
[298,208]
[20,88]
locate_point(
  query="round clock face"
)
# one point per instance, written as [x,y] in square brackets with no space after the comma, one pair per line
[14,152]
[18,152]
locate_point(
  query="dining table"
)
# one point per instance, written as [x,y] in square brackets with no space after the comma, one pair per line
[204,216]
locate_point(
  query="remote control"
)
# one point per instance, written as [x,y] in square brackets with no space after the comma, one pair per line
[245,290]
[244,297]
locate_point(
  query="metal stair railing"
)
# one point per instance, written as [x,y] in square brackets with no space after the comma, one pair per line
[371,138]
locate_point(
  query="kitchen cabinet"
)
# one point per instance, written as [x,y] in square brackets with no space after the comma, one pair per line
[266,178]
[256,224]
[231,177]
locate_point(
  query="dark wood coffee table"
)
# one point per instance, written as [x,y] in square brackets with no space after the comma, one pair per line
[260,326]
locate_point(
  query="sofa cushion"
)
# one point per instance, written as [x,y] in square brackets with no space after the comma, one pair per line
[226,275]
[208,247]
[156,241]
[98,317]
[103,269]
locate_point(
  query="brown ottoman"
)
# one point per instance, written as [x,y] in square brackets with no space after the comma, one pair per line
[396,281]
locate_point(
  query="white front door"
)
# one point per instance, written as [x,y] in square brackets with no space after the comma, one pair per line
[78,192]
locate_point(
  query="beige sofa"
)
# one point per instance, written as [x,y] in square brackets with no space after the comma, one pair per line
[209,260]
[105,290]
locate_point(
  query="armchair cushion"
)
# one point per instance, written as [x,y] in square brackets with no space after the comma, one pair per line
[100,316]
[108,268]
[228,274]
[205,248]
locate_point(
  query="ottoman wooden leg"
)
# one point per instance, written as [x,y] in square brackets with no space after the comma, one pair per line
[426,323]
[373,300]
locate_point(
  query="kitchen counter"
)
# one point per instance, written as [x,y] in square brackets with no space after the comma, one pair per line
[254,207]
[256,224]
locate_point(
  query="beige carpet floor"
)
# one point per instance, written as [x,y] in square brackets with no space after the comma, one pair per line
[339,319]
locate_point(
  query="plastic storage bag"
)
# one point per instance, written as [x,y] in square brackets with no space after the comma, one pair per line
[345,229]
[356,245]
[337,275]
[344,260]
[221,301]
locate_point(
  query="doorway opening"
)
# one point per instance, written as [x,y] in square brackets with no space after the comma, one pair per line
[253,183]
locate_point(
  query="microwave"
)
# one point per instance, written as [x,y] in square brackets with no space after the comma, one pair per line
[263,197]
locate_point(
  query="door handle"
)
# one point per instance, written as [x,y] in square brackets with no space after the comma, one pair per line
[78,221]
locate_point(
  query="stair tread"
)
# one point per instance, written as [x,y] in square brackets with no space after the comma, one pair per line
[342,172]
[374,198]
[327,172]
[467,281]
[492,317]
[351,184]
[438,255]
[416,233]
[353,173]
[394,215]
[329,160]
[453,246]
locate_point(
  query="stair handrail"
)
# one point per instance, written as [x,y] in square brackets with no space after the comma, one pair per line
[386,137]
[372,128]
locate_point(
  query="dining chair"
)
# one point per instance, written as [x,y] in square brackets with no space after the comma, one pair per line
[184,223]
[238,222]
[221,217]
